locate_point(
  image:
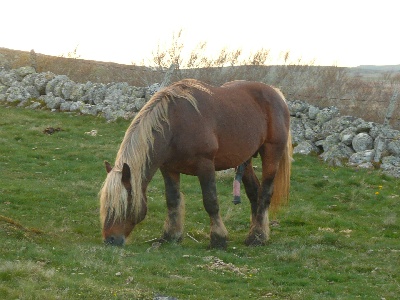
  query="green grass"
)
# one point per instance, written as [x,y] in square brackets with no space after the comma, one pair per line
[339,238]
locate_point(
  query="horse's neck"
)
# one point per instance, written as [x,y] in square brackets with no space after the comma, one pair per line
[157,157]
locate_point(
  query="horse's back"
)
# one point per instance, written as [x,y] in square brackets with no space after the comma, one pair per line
[230,124]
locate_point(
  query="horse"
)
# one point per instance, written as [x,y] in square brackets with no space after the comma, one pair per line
[194,128]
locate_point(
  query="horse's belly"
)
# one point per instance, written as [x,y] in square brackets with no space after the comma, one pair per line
[235,151]
[231,159]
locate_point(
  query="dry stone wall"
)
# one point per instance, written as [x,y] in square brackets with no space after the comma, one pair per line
[338,140]
[26,88]
[344,140]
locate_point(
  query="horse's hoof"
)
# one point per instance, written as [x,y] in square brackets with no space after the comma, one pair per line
[218,242]
[256,239]
[166,238]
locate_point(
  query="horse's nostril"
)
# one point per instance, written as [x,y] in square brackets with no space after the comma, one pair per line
[112,240]
[109,241]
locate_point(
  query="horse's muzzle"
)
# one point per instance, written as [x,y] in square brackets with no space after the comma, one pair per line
[115,240]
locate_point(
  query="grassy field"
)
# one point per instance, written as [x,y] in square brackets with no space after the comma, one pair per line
[339,238]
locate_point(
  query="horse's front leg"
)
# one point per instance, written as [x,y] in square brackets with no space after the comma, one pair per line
[218,233]
[173,226]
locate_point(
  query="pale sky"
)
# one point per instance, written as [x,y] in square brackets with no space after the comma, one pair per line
[340,32]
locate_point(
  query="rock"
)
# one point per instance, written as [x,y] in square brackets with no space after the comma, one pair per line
[361,157]
[54,86]
[28,80]
[96,94]
[89,109]
[313,112]
[296,107]
[65,106]
[364,126]
[24,71]
[76,106]
[8,78]
[362,141]
[41,80]
[391,166]
[139,103]
[18,93]
[306,148]
[297,129]
[330,142]
[112,115]
[34,105]
[328,128]
[380,147]
[366,165]
[394,147]
[67,89]
[384,137]
[151,90]
[78,92]
[138,92]
[52,102]
[337,155]
[326,114]
[347,135]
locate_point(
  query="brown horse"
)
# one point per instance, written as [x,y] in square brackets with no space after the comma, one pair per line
[194,128]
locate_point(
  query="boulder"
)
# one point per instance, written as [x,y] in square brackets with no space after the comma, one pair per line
[54,86]
[8,78]
[41,80]
[391,166]
[52,102]
[394,147]
[305,148]
[337,155]
[347,135]
[362,157]
[362,141]
[313,112]
[19,93]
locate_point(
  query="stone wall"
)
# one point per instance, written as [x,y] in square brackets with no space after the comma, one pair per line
[338,140]
[344,140]
[26,88]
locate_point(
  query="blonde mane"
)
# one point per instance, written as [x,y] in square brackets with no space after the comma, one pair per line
[136,148]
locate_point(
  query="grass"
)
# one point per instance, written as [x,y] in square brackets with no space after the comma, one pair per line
[337,239]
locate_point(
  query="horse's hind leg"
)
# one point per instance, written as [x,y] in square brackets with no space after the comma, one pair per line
[173,226]
[218,234]
[252,187]
[259,231]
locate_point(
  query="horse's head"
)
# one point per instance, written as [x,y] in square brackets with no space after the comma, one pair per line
[119,210]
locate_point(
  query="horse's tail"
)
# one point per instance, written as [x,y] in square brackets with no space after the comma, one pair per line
[280,194]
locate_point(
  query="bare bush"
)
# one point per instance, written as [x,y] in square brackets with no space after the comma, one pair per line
[323,86]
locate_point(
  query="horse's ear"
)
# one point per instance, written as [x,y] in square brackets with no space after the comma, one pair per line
[108,166]
[126,174]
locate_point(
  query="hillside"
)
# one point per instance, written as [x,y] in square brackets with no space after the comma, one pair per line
[369,87]
[78,70]
[385,68]
[81,70]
